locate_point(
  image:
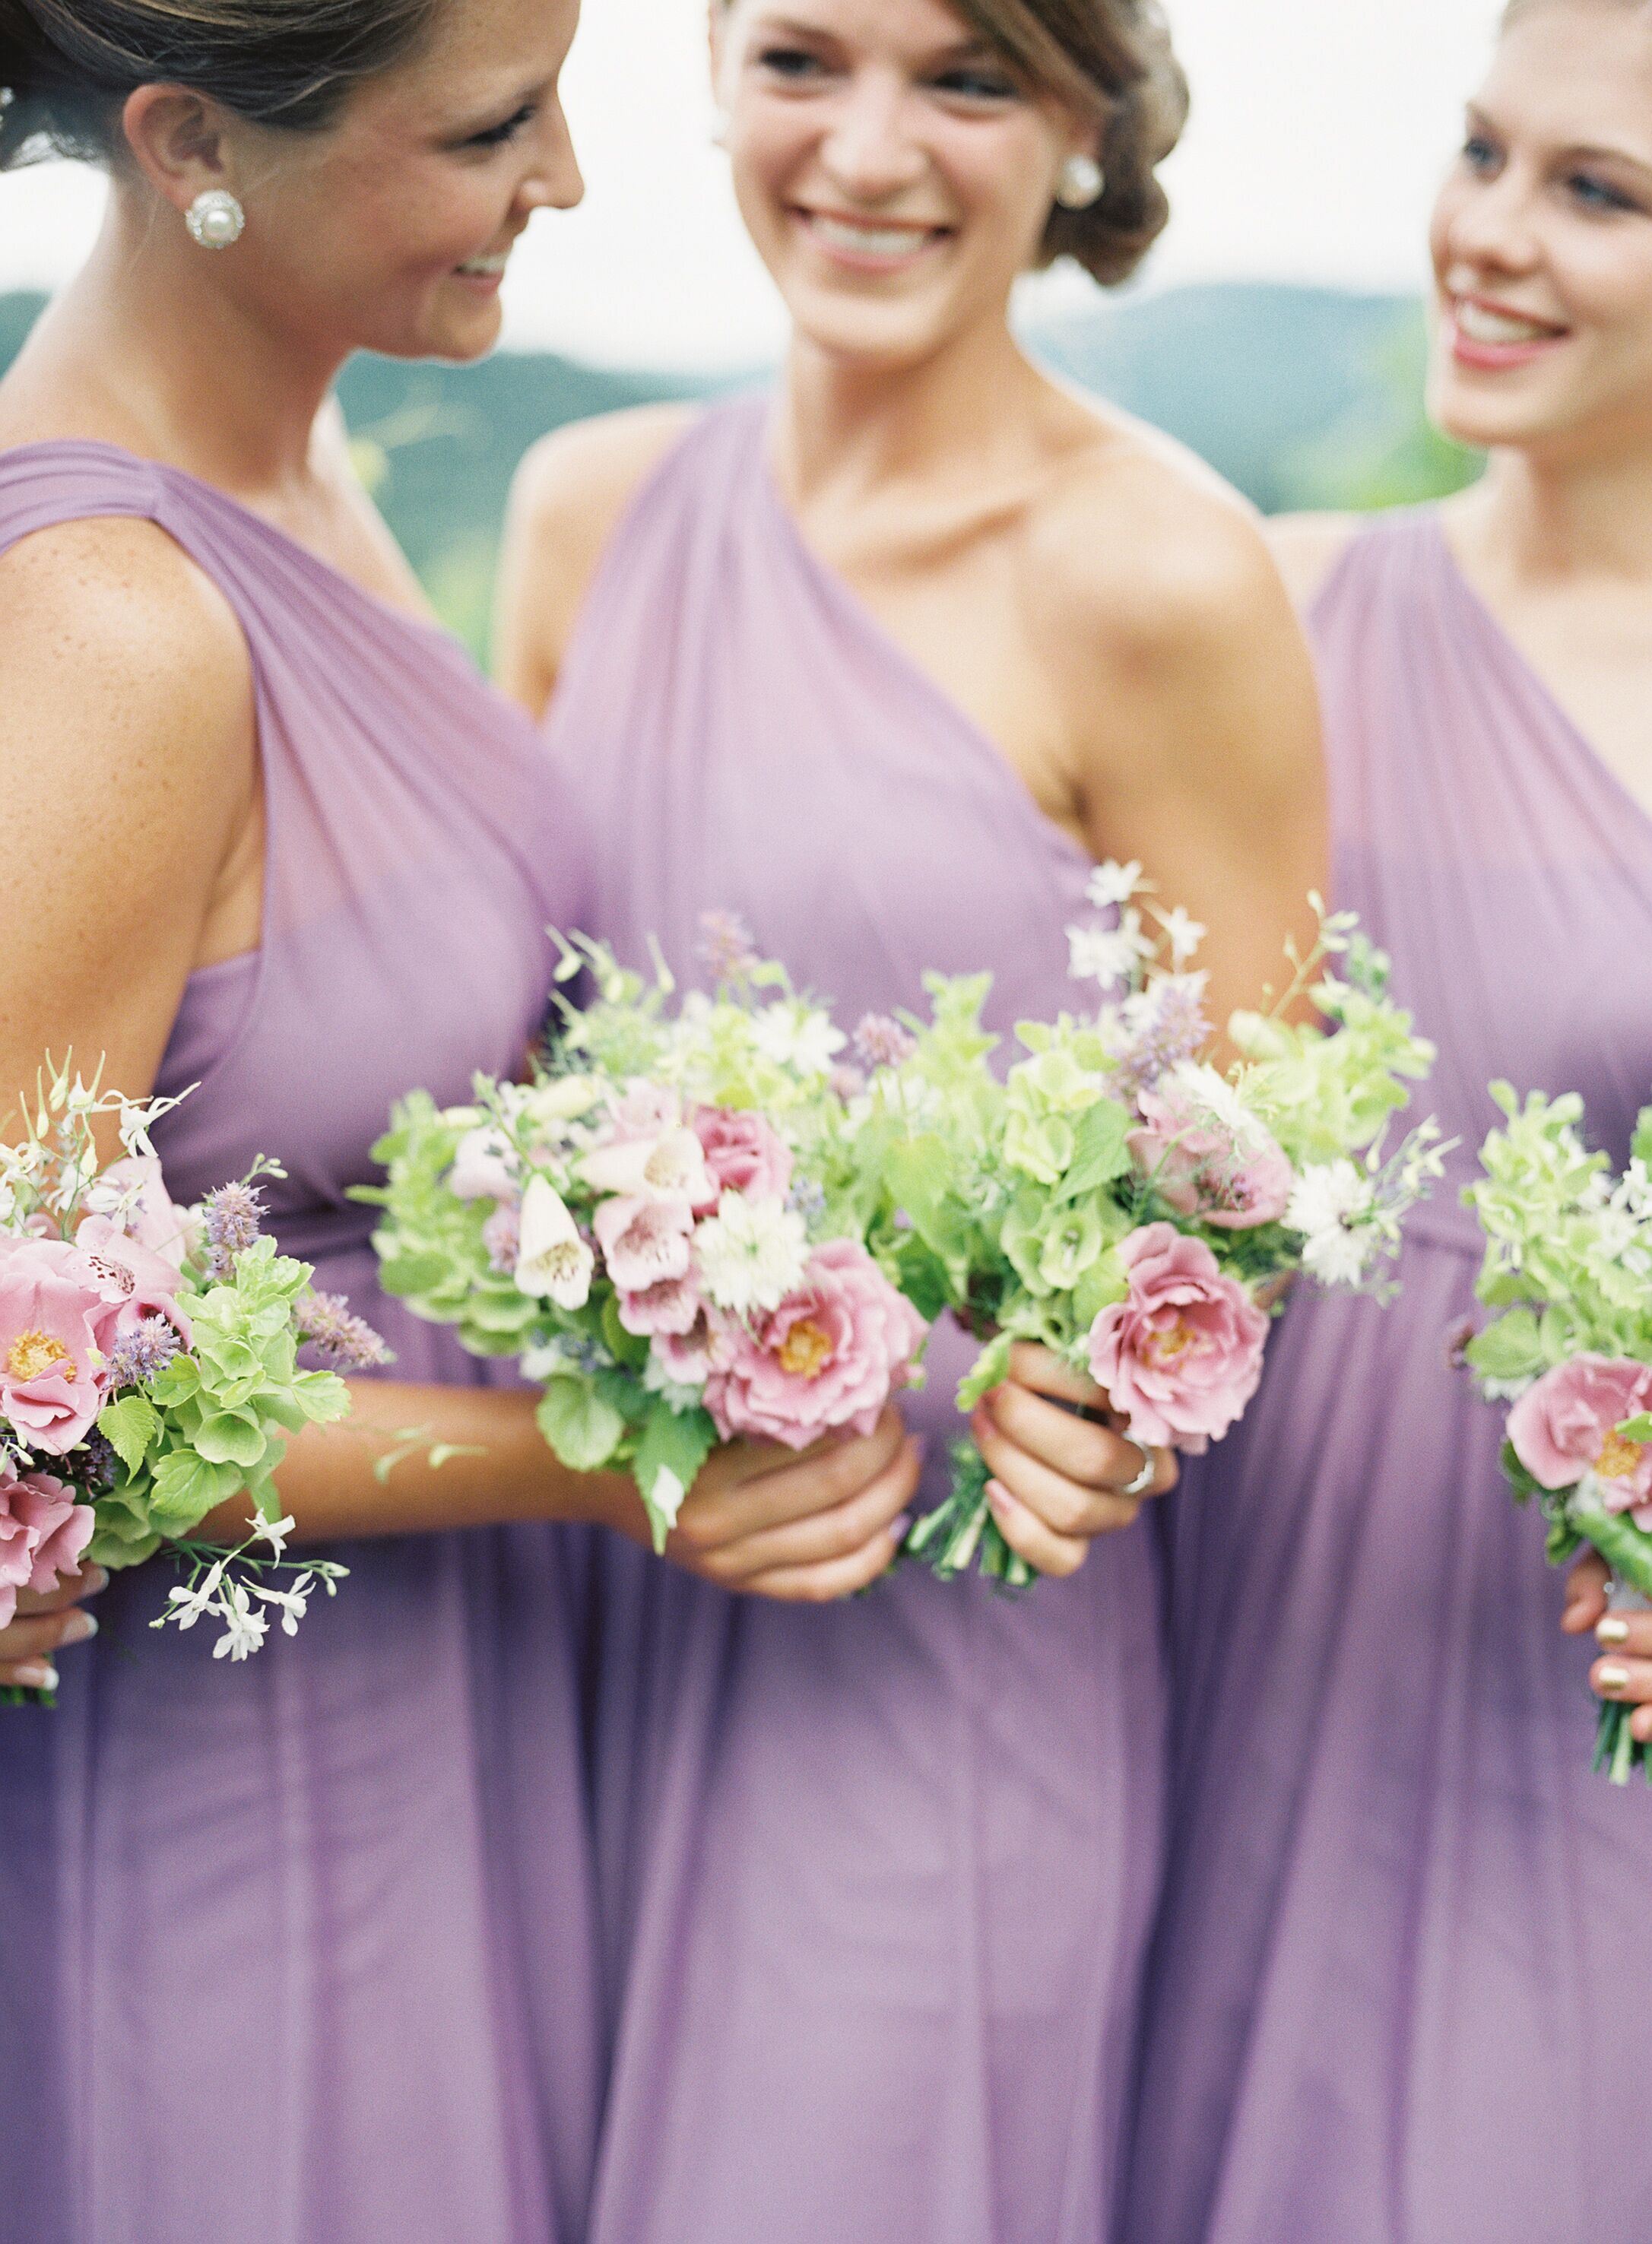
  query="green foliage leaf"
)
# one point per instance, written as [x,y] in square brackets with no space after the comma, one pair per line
[672,1443]
[130,1427]
[187,1488]
[1101,1152]
[990,1369]
[233,1437]
[1512,1348]
[583,1428]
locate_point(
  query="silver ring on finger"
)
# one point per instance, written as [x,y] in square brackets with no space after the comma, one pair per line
[1148,1473]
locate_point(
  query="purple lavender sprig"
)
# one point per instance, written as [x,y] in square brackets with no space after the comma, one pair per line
[233,1216]
[143,1354]
[1156,1030]
[727,947]
[880,1042]
[343,1341]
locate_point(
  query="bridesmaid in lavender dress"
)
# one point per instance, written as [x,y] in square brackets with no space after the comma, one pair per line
[882,663]
[304,1950]
[1396,1990]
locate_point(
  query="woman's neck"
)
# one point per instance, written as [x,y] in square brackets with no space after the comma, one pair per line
[1536,519]
[846,429]
[147,349]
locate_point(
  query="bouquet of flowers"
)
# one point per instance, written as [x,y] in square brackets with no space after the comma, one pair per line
[1121,1200]
[1568,1269]
[149,1369]
[672,1226]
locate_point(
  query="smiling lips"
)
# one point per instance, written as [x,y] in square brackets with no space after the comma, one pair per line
[870,245]
[1494,338]
[484,268]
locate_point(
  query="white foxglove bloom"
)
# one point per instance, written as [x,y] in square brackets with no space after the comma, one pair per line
[565,1098]
[751,1254]
[245,1627]
[1331,1207]
[485,1167]
[670,1166]
[553,1263]
[797,1036]
[1112,884]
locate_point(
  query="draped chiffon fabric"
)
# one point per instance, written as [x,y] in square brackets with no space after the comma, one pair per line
[876,1877]
[304,1951]
[1398,1955]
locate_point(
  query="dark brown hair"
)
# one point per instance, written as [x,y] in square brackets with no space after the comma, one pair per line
[67,66]
[1111,61]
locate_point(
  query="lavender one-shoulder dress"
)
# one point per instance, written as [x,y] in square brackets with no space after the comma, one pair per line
[302,1951]
[875,1876]
[1402,1953]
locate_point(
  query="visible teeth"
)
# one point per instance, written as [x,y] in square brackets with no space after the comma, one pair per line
[1481,326]
[871,241]
[486,268]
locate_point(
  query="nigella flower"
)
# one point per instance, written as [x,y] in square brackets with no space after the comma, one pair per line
[143,1354]
[99,1461]
[233,1216]
[343,1341]
[807,1198]
[880,1042]
[725,946]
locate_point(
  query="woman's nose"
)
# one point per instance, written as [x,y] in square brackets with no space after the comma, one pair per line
[870,150]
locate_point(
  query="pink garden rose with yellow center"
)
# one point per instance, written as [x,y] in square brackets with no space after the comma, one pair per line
[744,1153]
[1230,1177]
[1567,1425]
[43,1531]
[56,1326]
[1181,1356]
[830,1356]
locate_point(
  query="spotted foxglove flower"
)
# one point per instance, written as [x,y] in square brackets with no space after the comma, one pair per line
[751,1254]
[554,1263]
[671,1165]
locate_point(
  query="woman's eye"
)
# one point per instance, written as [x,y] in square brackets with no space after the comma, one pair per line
[793,63]
[978,86]
[1479,154]
[1597,195]
[497,135]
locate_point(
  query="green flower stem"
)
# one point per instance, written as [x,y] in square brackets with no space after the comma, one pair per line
[1620,1541]
[961,1534]
[1618,1751]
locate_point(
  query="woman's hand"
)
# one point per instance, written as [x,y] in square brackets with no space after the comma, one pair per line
[1059,1481]
[1624,1675]
[44,1627]
[804,1528]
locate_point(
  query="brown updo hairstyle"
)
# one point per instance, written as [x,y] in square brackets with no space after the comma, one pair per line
[68,66]
[1110,62]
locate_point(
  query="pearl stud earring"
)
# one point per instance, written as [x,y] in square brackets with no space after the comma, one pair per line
[215,219]
[1081,183]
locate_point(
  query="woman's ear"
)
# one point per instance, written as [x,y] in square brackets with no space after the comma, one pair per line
[178,142]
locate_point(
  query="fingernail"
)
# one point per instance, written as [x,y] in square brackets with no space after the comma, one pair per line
[97,1579]
[999,1496]
[901,1528]
[1612,1632]
[79,1628]
[37,1676]
[1611,1677]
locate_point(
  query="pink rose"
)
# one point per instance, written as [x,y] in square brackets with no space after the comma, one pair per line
[744,1153]
[44,1530]
[1181,1356]
[55,1323]
[643,1241]
[828,1357]
[1201,1166]
[135,1281]
[671,1306]
[1567,1426]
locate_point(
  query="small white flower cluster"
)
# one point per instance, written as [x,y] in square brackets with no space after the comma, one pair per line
[1351,1215]
[751,1254]
[220,1594]
[1117,956]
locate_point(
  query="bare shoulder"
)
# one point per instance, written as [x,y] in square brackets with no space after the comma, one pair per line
[1307,547]
[567,500]
[115,636]
[1145,546]
[578,481]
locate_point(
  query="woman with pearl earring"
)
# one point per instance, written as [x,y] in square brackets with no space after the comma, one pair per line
[884,662]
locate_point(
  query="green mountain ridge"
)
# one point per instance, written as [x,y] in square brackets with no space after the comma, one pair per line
[1303,397]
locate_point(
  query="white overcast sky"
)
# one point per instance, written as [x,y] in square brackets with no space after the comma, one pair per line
[1320,128]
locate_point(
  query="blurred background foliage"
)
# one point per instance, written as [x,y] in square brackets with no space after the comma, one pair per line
[1304,398]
